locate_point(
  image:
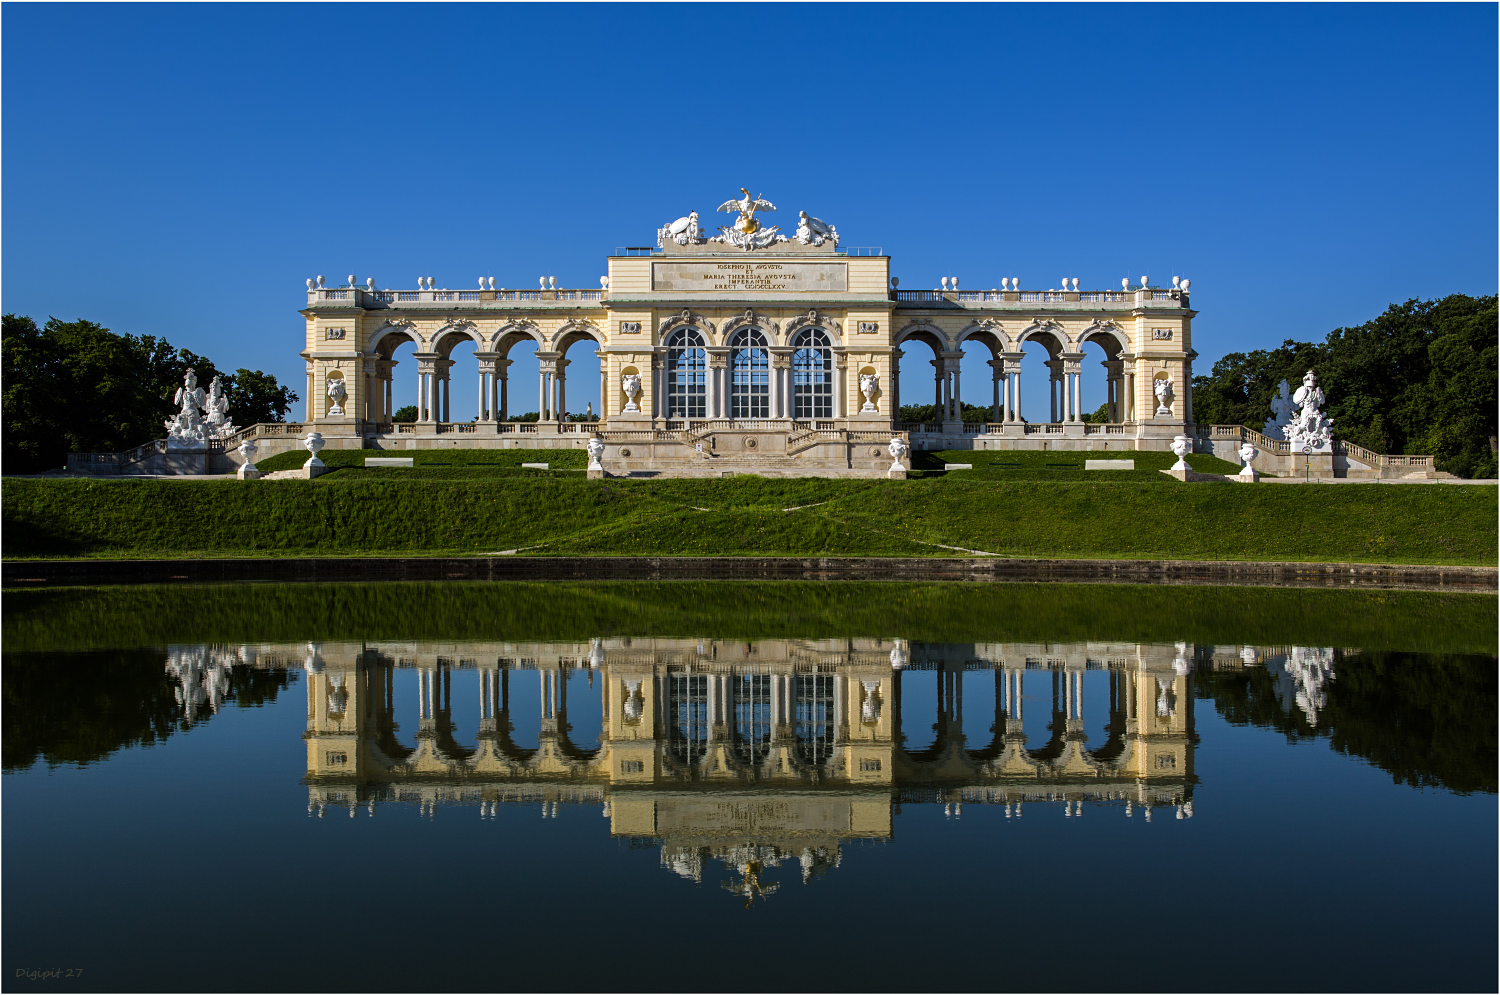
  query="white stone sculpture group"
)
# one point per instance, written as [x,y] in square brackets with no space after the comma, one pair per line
[747,233]
[199,419]
[1298,418]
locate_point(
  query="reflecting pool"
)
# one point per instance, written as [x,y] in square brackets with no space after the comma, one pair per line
[599,786]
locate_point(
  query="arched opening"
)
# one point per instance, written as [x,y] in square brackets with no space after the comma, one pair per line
[918,399]
[579,370]
[394,393]
[1042,363]
[580,715]
[456,372]
[812,374]
[1103,396]
[687,380]
[750,374]
[518,373]
[981,372]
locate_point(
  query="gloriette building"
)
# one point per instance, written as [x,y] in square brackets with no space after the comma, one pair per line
[772,348]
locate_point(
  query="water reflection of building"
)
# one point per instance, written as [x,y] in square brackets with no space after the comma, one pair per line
[758,755]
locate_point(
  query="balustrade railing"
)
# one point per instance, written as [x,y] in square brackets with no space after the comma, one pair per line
[456,296]
[1031,296]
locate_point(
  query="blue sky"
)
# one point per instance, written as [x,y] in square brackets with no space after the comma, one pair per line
[180,169]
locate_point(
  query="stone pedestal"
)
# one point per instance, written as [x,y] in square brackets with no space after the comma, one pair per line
[1246,476]
[595,474]
[896,473]
[248,472]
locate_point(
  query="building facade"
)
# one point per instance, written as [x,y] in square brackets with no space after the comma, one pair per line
[782,349]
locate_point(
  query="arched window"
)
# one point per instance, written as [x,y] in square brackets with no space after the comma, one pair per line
[687,384]
[813,716]
[752,717]
[812,375]
[750,389]
[687,718]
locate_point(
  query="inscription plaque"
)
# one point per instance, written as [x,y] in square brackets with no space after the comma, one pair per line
[787,277]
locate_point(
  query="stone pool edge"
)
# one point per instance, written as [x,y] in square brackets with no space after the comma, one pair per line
[1369,576]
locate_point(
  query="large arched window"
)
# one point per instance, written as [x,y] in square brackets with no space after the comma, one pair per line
[750,389]
[813,716]
[687,388]
[752,717]
[812,375]
[687,719]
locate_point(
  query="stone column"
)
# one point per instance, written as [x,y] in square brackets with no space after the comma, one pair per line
[1127,368]
[998,366]
[444,370]
[938,399]
[603,384]
[841,409]
[1054,381]
[311,394]
[1073,370]
[1112,377]
[781,364]
[502,373]
[562,389]
[658,385]
[717,364]
[896,355]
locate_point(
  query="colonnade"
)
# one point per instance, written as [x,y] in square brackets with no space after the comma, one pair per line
[1065,388]
[434,402]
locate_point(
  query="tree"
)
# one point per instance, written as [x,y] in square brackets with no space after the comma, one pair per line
[405,414]
[1420,378]
[256,397]
[75,386]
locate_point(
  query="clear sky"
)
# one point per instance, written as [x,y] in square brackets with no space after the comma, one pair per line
[180,170]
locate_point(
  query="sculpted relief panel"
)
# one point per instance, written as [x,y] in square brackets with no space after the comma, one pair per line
[787,277]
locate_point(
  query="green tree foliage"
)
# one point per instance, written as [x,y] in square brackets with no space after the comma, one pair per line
[1428,720]
[78,708]
[256,397]
[75,386]
[1421,378]
[408,413]
[931,413]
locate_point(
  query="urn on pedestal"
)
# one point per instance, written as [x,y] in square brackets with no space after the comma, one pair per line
[630,383]
[869,385]
[248,470]
[1181,446]
[314,444]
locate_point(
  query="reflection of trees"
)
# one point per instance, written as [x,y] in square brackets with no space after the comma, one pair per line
[1427,720]
[78,708]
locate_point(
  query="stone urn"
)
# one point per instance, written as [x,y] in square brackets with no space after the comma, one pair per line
[248,470]
[1247,456]
[596,454]
[1163,391]
[630,383]
[1181,446]
[869,385]
[314,444]
[336,394]
[899,450]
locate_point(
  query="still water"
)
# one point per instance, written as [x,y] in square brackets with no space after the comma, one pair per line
[585,787]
